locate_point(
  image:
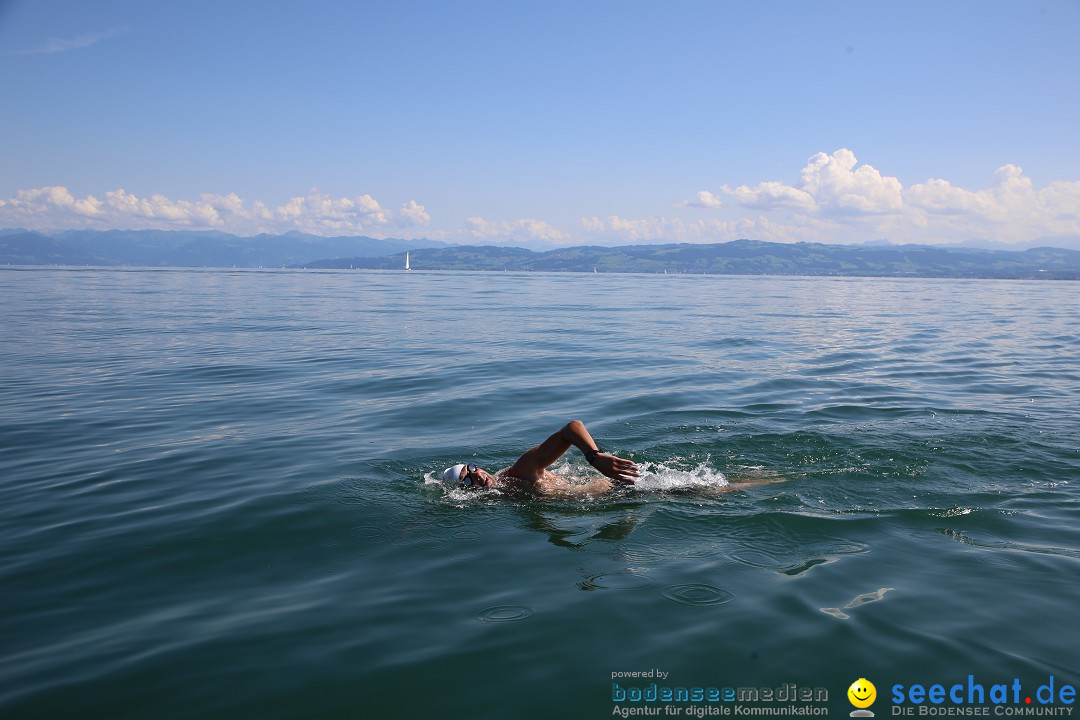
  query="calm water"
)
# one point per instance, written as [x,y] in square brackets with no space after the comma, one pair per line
[218,496]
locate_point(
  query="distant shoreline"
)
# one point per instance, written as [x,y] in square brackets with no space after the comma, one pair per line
[439,271]
[181,249]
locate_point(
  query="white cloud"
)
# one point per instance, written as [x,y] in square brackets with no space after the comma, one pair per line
[771,196]
[1013,194]
[527,231]
[59,45]
[54,208]
[941,196]
[645,229]
[592,224]
[414,214]
[155,207]
[838,200]
[704,199]
[835,199]
[321,214]
[1011,210]
[835,184]
[829,183]
[629,231]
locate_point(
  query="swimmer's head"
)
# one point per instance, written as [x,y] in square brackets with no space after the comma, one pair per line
[467,476]
[452,474]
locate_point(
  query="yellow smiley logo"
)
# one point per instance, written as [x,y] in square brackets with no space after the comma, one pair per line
[862,693]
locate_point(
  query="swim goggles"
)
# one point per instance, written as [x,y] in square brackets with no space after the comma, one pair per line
[470,475]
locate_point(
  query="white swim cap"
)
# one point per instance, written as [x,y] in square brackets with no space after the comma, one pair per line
[452,474]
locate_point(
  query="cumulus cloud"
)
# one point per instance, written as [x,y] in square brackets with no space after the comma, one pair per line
[835,183]
[316,210]
[526,231]
[53,208]
[633,230]
[771,196]
[1011,193]
[829,184]
[704,199]
[1010,210]
[836,199]
[645,229]
[592,224]
[413,213]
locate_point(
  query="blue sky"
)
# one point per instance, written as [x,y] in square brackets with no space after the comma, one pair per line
[549,123]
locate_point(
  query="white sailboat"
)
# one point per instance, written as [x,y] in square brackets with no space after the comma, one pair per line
[407,268]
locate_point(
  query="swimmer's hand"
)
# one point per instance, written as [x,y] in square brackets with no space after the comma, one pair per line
[616,468]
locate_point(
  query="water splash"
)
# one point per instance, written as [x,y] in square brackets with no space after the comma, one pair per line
[668,476]
[456,494]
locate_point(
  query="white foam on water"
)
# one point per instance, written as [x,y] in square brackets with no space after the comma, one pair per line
[661,476]
[457,493]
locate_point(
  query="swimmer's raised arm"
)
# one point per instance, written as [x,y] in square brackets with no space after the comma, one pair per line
[531,465]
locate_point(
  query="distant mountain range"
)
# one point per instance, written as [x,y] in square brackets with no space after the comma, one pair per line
[178,248]
[743,257]
[181,248]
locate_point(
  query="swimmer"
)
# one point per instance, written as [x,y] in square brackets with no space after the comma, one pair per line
[530,473]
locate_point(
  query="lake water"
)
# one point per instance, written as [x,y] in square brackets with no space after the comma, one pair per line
[219,495]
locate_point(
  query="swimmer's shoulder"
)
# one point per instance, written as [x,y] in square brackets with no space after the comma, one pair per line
[543,484]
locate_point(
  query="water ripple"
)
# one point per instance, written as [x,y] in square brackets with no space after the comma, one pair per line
[988,541]
[505,613]
[619,580]
[698,594]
